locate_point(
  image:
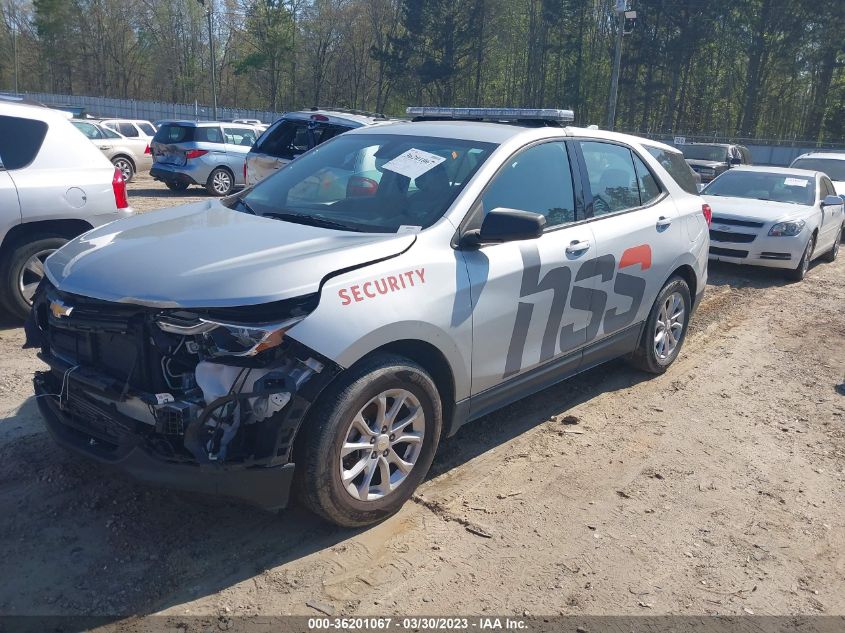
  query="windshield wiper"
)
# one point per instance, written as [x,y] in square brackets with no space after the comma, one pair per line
[311,220]
[246,206]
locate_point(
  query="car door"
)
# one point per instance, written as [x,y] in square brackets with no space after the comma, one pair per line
[239,141]
[639,236]
[530,306]
[831,215]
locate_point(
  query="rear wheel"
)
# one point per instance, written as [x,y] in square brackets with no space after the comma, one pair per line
[125,166]
[369,442]
[22,269]
[665,328]
[798,273]
[221,182]
[831,255]
[174,185]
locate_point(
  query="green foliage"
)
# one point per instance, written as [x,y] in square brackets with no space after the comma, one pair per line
[727,68]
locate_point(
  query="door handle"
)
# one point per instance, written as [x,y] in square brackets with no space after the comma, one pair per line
[576,247]
[663,222]
[105,147]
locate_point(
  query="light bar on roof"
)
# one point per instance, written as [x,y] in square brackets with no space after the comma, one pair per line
[499,114]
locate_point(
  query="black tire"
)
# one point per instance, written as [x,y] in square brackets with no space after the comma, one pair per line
[799,272]
[221,182]
[646,357]
[174,185]
[126,167]
[831,255]
[13,272]
[318,453]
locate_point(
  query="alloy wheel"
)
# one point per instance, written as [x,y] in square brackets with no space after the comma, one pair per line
[125,168]
[221,182]
[669,326]
[32,273]
[382,445]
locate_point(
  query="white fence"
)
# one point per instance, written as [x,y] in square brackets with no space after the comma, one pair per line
[150,110]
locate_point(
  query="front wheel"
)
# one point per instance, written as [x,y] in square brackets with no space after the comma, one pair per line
[831,255]
[665,328]
[799,272]
[370,441]
[22,269]
[221,182]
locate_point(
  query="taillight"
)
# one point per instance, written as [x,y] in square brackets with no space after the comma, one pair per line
[708,213]
[361,187]
[118,185]
[147,150]
[195,153]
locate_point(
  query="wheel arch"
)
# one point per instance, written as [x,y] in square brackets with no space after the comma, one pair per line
[687,273]
[127,157]
[67,228]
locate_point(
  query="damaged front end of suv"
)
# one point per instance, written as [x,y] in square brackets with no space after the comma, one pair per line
[207,400]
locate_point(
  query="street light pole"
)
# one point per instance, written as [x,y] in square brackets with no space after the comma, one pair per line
[617,63]
[208,15]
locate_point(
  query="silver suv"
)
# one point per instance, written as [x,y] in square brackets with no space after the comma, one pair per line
[54,185]
[208,154]
[325,328]
[296,133]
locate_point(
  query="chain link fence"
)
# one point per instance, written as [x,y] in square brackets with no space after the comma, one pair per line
[105,107]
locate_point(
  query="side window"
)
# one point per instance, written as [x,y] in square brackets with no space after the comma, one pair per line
[88,130]
[537,179]
[208,135]
[127,129]
[20,140]
[649,189]
[613,180]
[827,188]
[674,163]
[147,128]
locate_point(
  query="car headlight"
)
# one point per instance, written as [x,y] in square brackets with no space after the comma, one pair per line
[232,339]
[787,229]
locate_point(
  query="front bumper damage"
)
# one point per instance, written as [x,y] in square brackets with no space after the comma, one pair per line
[158,407]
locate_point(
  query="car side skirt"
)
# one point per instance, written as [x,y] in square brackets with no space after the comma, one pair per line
[618,344]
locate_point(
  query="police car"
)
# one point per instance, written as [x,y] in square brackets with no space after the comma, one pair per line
[322,331]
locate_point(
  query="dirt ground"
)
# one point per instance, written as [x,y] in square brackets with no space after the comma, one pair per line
[716,488]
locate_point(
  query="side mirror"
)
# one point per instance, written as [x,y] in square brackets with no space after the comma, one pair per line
[736,161]
[832,201]
[506,225]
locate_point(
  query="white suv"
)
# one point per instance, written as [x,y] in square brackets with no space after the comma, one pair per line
[321,331]
[131,128]
[54,185]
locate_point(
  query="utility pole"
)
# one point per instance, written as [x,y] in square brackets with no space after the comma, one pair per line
[208,15]
[617,63]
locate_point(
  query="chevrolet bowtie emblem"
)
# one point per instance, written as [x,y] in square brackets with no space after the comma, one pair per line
[60,309]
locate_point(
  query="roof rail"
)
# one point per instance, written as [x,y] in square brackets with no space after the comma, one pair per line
[536,116]
[374,115]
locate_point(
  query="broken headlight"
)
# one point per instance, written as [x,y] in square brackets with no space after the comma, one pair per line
[229,339]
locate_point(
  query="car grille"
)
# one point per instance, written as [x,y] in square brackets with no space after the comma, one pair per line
[731,222]
[727,236]
[728,252]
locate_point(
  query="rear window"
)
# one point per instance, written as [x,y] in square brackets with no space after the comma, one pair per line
[20,140]
[173,133]
[674,163]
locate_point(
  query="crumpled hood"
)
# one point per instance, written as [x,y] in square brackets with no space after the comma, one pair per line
[206,255]
[759,210]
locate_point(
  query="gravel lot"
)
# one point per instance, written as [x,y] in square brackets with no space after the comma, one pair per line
[716,488]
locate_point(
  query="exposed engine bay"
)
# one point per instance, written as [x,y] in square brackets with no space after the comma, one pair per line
[212,386]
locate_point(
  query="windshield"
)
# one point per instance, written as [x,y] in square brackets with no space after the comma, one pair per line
[763,186]
[833,167]
[379,183]
[716,153]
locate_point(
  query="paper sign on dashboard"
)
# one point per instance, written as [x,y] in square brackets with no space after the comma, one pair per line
[413,163]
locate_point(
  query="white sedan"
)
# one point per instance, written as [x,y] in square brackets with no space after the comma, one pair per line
[776,217]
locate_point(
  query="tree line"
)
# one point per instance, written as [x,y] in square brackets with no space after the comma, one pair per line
[728,68]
